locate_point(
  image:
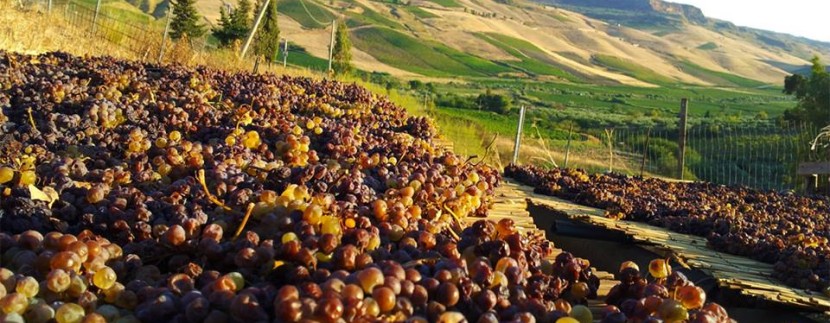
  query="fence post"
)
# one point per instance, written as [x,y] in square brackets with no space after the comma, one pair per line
[164,37]
[681,138]
[518,135]
[49,7]
[95,18]
[284,52]
[568,145]
[256,64]
[645,153]
[331,44]
[610,134]
[253,30]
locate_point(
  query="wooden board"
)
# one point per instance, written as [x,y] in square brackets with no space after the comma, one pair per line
[813,168]
[749,276]
[510,202]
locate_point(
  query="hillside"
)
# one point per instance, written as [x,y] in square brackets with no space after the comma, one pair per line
[594,41]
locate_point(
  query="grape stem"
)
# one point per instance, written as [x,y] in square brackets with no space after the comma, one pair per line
[31,119]
[244,220]
[457,221]
[200,175]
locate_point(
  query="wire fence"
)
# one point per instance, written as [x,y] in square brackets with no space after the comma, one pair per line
[762,155]
[128,31]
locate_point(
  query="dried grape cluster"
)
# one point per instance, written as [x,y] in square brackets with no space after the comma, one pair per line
[137,192]
[668,297]
[787,230]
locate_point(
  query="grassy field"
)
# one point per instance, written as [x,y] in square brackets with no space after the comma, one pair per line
[295,10]
[531,59]
[716,77]
[447,3]
[419,56]
[420,13]
[370,17]
[632,69]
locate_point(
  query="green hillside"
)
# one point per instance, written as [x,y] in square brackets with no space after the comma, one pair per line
[423,57]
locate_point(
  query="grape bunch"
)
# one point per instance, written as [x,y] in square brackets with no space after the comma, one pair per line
[135,192]
[787,230]
[668,297]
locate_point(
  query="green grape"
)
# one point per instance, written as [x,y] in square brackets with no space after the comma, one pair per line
[582,314]
[28,287]
[289,236]
[70,313]
[6,175]
[13,318]
[77,286]
[104,278]
[238,280]
[39,313]
[109,312]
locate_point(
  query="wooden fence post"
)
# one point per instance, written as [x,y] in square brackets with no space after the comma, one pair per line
[95,18]
[518,135]
[681,138]
[610,134]
[253,30]
[645,153]
[568,145]
[164,37]
[284,52]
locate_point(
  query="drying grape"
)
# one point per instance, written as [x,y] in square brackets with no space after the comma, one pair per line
[69,313]
[14,303]
[6,174]
[104,278]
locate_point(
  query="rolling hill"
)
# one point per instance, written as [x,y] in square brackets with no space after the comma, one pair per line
[629,42]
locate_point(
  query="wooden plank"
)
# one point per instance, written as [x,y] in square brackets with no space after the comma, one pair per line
[813,168]
[750,276]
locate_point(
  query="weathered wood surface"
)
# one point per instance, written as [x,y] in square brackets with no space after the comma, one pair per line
[750,277]
[511,202]
[813,168]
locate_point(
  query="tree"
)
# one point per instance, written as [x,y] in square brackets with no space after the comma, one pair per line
[234,25]
[494,102]
[812,93]
[186,20]
[342,58]
[267,38]
[416,85]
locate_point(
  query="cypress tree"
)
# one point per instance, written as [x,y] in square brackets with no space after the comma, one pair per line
[234,25]
[342,58]
[267,38]
[186,20]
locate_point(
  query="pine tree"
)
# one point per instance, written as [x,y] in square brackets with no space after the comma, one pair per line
[342,58]
[186,20]
[267,38]
[235,25]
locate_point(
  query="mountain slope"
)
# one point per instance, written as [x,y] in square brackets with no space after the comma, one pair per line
[666,43]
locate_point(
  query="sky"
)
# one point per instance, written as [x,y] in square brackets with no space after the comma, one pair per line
[807,18]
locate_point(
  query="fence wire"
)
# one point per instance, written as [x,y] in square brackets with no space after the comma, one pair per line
[763,156]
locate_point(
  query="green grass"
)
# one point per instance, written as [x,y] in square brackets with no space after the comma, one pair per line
[708,46]
[295,10]
[420,13]
[716,77]
[119,11]
[632,69]
[299,57]
[447,3]
[371,17]
[531,58]
[423,57]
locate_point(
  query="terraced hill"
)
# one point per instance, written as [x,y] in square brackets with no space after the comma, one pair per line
[484,38]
